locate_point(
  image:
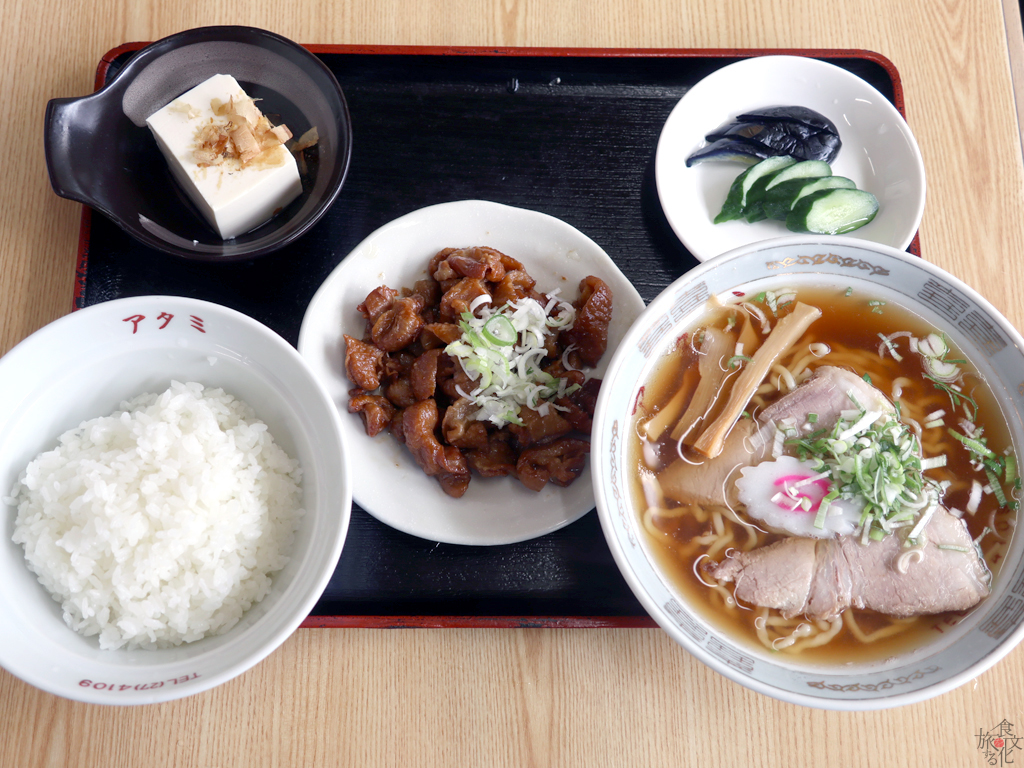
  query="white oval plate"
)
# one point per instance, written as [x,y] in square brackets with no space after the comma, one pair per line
[387,482]
[879,152]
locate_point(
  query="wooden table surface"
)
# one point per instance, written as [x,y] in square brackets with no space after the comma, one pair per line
[531,697]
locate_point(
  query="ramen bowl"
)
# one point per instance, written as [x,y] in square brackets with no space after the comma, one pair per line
[83,366]
[99,151]
[946,650]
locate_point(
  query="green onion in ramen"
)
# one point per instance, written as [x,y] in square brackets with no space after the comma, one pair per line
[824,475]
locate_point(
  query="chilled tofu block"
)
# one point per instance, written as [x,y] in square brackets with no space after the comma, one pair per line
[227,156]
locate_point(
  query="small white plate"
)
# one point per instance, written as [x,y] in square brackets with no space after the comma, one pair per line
[387,482]
[879,152]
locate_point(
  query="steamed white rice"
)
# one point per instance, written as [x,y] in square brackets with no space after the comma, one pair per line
[162,523]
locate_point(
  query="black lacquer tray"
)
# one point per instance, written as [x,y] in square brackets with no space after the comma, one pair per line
[571,133]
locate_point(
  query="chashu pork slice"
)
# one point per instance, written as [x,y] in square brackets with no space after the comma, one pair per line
[820,578]
[828,393]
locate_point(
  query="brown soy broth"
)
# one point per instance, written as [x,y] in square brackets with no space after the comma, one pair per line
[850,326]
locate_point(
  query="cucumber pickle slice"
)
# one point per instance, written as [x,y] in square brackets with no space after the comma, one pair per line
[781,198]
[754,209]
[832,211]
[736,201]
[804,194]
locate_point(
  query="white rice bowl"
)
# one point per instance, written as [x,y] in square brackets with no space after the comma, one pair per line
[161,523]
[86,366]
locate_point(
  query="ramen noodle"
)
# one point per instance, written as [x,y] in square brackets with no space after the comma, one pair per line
[927,391]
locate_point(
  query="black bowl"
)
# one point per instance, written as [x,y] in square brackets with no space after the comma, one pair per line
[100,152]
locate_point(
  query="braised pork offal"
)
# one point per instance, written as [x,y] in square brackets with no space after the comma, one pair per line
[475,370]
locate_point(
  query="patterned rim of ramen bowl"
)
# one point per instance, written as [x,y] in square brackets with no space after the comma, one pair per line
[83,366]
[952,651]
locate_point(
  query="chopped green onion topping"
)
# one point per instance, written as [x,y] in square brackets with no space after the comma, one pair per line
[891,347]
[826,502]
[997,489]
[976,447]
[874,457]
[737,360]
[502,352]
[498,330]
[957,398]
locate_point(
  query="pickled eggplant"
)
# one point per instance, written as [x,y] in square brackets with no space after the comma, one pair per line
[803,115]
[795,131]
[732,150]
